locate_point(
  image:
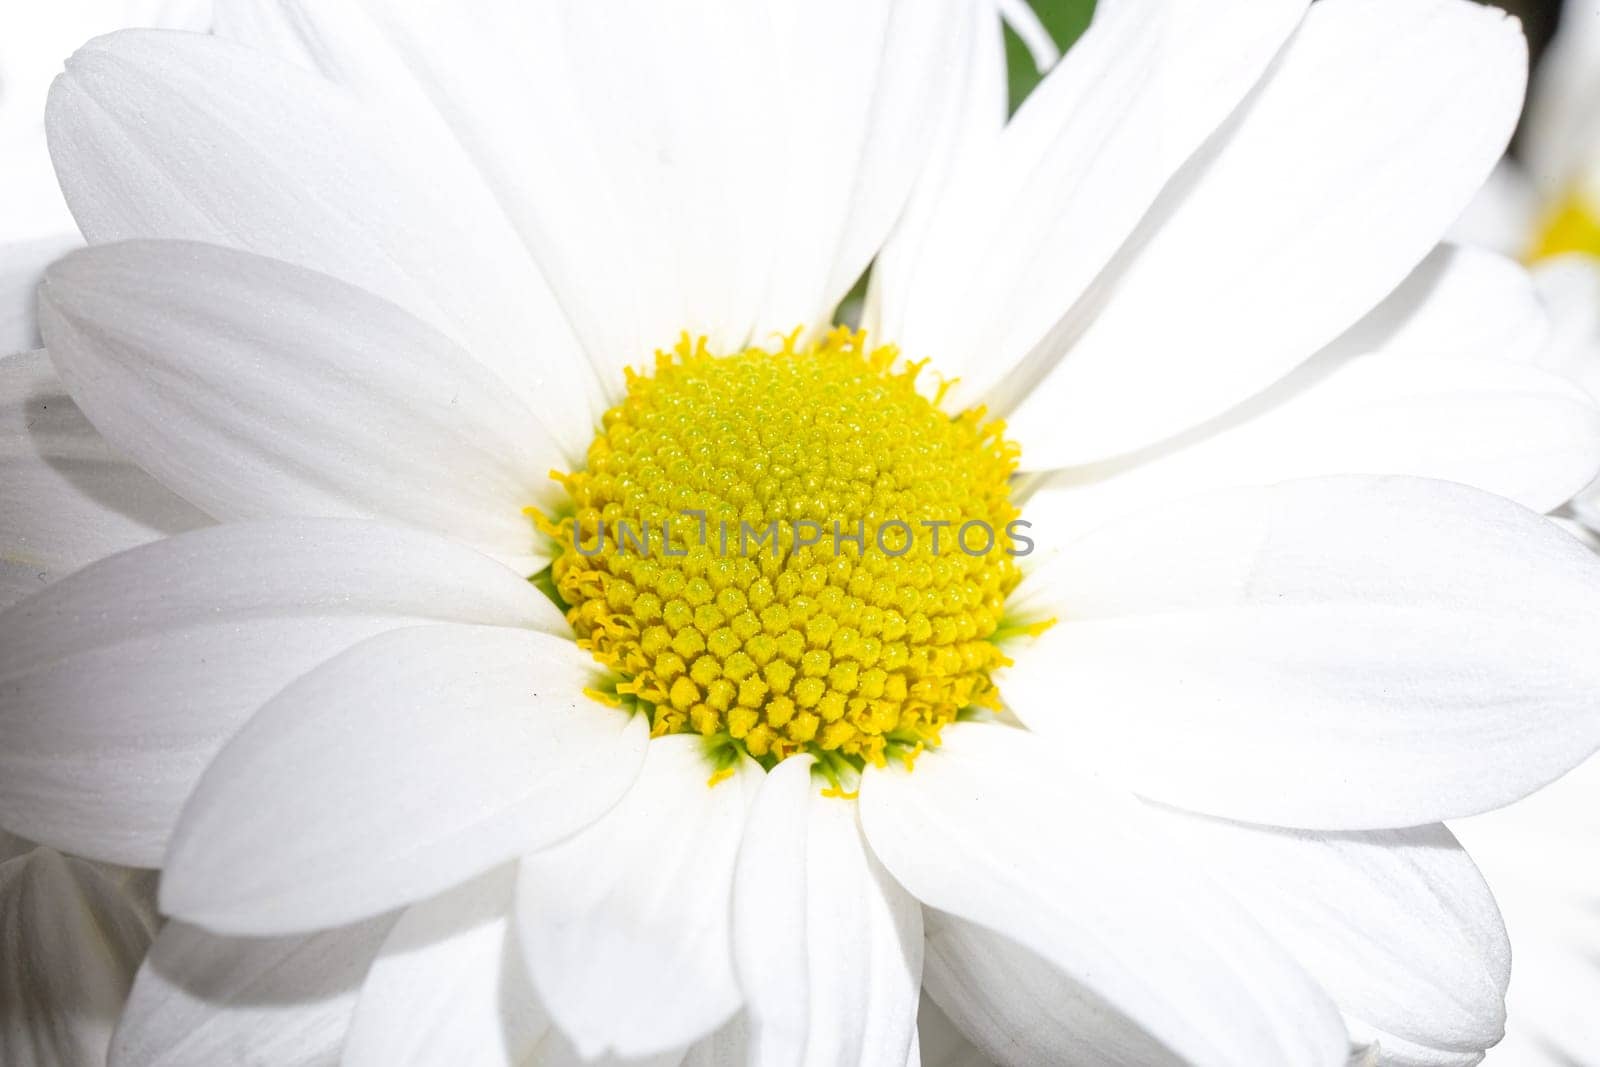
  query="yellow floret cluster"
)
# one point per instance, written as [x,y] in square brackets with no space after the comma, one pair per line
[838,648]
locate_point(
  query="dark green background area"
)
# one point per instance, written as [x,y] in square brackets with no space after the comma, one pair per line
[1065,19]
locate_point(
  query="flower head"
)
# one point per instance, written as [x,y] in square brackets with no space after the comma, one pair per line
[369,276]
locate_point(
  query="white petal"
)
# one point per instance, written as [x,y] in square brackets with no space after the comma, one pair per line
[411,763]
[1377,124]
[1409,402]
[1021,1010]
[1397,925]
[647,218]
[1504,216]
[119,683]
[1570,288]
[70,941]
[253,388]
[67,498]
[998,827]
[1539,858]
[828,947]
[186,136]
[1331,653]
[447,986]
[201,1000]
[22,265]
[1460,301]
[896,73]
[1022,233]
[964,141]
[635,910]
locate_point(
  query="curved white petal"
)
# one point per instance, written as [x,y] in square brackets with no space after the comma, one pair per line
[1000,828]
[634,910]
[1570,288]
[963,141]
[411,763]
[1374,128]
[70,941]
[447,986]
[827,946]
[1539,858]
[1441,380]
[1504,216]
[1397,925]
[201,1000]
[1461,301]
[1026,226]
[897,72]
[254,388]
[1021,1010]
[67,498]
[119,683]
[610,134]
[191,137]
[1330,653]
[1509,428]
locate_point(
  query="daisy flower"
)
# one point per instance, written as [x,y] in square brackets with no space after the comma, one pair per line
[438,769]
[35,226]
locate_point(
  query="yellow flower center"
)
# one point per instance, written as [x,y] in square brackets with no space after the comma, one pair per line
[792,550]
[1573,226]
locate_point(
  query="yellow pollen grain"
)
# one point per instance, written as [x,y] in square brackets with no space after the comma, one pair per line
[847,650]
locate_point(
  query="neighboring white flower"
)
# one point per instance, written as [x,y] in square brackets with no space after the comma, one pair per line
[72,934]
[1548,202]
[35,225]
[1540,856]
[350,302]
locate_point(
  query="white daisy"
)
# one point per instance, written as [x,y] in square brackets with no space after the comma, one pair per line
[361,277]
[35,226]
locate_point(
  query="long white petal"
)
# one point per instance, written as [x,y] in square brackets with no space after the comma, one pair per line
[191,137]
[828,946]
[1329,653]
[1397,925]
[253,388]
[1374,128]
[1439,382]
[655,199]
[447,986]
[202,1000]
[1021,1010]
[1000,827]
[119,683]
[409,764]
[635,910]
[1025,229]
[67,498]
